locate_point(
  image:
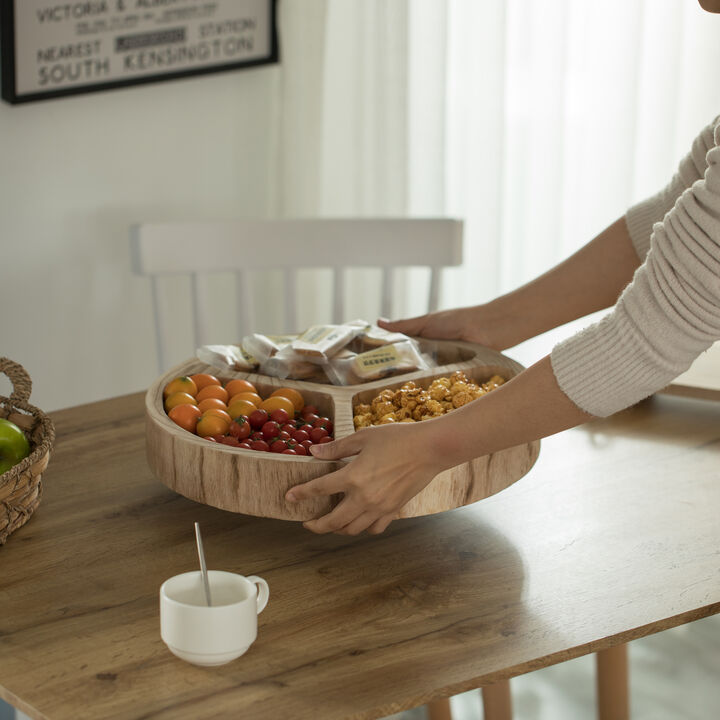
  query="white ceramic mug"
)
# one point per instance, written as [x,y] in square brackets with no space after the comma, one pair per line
[217,634]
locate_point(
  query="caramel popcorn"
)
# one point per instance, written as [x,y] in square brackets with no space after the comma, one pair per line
[412,403]
[462,398]
[363,420]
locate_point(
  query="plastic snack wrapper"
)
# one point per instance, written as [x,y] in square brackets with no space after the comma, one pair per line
[380,362]
[262,347]
[287,364]
[320,342]
[227,357]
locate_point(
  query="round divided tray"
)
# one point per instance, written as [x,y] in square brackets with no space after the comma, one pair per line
[255,483]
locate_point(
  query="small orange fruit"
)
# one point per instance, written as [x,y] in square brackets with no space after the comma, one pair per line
[252,397]
[293,395]
[202,380]
[278,402]
[218,413]
[180,384]
[212,425]
[178,398]
[241,407]
[237,386]
[186,416]
[212,391]
[209,403]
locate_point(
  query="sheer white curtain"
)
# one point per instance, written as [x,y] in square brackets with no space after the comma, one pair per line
[538,122]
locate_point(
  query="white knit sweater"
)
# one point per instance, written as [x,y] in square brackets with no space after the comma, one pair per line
[670,312]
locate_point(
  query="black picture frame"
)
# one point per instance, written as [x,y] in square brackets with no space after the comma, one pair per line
[8,63]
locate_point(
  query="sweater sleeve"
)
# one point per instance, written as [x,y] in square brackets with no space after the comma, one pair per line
[666,316]
[640,218]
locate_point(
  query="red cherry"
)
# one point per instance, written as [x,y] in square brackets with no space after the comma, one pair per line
[258,418]
[240,427]
[270,429]
[300,435]
[259,445]
[231,440]
[280,416]
[317,433]
[288,451]
[278,446]
[324,422]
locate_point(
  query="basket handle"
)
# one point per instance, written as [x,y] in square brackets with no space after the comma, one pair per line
[22,384]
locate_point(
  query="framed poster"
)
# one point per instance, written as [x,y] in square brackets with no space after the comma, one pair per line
[51,48]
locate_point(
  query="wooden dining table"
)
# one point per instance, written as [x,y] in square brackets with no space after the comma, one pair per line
[611,536]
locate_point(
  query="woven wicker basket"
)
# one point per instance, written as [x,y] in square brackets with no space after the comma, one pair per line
[20,486]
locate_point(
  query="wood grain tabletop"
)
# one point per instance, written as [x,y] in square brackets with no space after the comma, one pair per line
[611,536]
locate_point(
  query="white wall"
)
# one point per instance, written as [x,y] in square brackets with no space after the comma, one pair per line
[74,173]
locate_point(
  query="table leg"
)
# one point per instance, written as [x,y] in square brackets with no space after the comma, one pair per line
[497,701]
[439,709]
[612,683]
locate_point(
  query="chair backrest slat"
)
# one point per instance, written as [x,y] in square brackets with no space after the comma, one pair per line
[290,289]
[338,295]
[434,293]
[159,315]
[386,292]
[171,248]
[200,308]
[245,304]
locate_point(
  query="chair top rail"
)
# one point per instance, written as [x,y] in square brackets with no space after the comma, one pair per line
[171,248]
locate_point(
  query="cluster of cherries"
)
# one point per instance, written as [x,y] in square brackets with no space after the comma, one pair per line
[277,432]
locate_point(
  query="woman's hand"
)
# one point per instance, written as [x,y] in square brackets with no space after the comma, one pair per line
[468,324]
[393,464]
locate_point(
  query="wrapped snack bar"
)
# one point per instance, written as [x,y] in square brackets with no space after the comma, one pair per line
[262,347]
[320,342]
[227,357]
[377,363]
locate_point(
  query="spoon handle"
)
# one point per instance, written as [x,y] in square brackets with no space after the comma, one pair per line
[203,566]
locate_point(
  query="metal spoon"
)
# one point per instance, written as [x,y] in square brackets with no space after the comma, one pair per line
[203,566]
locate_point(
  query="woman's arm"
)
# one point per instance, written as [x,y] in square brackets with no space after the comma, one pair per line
[590,280]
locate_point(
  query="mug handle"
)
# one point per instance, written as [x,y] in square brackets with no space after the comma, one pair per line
[263,591]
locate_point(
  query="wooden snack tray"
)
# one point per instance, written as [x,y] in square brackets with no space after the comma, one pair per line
[255,483]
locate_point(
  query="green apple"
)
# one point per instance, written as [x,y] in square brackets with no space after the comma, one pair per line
[13,445]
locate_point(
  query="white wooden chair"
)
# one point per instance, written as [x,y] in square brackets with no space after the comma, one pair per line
[172,248]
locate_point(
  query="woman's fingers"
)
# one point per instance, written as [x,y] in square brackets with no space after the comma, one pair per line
[344,447]
[329,484]
[340,517]
[381,525]
[360,523]
[410,326]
